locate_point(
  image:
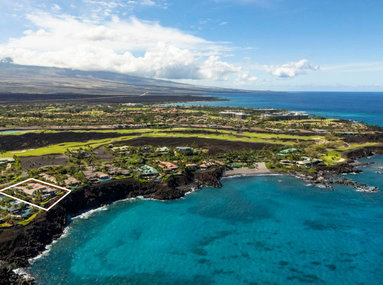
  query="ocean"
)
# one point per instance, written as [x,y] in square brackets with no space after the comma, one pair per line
[253,230]
[360,106]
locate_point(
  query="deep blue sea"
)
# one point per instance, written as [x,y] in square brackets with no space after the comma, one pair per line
[254,230]
[360,106]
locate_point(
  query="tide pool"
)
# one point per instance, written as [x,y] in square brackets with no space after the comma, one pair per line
[254,230]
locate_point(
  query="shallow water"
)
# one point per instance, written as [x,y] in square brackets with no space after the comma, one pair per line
[254,230]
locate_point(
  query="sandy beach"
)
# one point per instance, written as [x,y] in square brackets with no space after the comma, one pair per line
[260,168]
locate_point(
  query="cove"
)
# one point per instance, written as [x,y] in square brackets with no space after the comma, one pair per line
[264,229]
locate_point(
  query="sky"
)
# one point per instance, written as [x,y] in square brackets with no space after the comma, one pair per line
[292,45]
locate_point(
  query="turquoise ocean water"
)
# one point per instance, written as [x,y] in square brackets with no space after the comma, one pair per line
[255,230]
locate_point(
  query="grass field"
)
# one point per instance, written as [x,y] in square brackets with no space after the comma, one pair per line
[332,157]
[355,146]
[130,131]
[220,135]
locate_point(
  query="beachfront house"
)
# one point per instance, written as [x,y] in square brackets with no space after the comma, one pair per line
[306,161]
[71,181]
[94,176]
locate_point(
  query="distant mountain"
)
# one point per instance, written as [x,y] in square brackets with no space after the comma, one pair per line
[25,79]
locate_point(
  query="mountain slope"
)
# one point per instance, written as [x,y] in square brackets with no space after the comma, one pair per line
[24,79]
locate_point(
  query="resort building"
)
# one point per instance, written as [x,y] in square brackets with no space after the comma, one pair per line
[234,114]
[281,116]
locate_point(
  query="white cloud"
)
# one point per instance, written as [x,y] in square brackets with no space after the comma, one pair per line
[127,46]
[290,70]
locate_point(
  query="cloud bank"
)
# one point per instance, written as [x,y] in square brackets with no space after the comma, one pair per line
[128,46]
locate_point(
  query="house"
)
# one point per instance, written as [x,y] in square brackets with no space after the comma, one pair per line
[282,116]
[6,160]
[32,189]
[89,174]
[287,162]
[101,175]
[145,149]
[48,178]
[113,170]
[71,181]
[168,167]
[94,176]
[162,149]
[148,171]
[274,130]
[320,131]
[120,149]
[191,166]
[287,151]
[235,165]
[316,161]
[234,114]
[205,165]
[304,163]
[48,192]
[184,150]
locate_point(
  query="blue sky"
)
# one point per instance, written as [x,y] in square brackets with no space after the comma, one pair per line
[252,44]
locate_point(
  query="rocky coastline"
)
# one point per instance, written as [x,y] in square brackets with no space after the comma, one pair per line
[21,243]
[18,244]
[326,177]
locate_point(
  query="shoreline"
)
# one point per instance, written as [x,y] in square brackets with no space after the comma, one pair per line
[184,186]
[259,169]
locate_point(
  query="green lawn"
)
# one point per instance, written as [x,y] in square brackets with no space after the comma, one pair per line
[221,135]
[27,221]
[355,146]
[332,157]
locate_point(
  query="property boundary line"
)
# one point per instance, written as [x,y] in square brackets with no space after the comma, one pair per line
[39,182]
